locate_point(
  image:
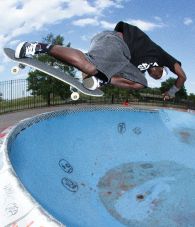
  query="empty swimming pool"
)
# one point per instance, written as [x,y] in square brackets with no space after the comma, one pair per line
[109,166]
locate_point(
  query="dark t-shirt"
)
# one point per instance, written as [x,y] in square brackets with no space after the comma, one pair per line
[144,52]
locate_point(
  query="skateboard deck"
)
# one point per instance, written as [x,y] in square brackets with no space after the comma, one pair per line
[51,71]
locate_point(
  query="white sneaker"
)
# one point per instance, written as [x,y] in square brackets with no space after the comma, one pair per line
[26,49]
[93,83]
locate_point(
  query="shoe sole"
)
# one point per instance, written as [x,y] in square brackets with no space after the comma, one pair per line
[18,50]
[88,83]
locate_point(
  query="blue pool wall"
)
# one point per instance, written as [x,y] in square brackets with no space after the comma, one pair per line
[179,124]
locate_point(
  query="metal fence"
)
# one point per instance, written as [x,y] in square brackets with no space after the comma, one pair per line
[14,95]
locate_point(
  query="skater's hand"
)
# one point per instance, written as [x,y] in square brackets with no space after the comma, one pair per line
[166,96]
[170,94]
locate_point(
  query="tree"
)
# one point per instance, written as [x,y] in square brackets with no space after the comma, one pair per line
[166,85]
[40,83]
[153,91]
[191,97]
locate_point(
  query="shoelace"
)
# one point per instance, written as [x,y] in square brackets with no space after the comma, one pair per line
[30,49]
[101,83]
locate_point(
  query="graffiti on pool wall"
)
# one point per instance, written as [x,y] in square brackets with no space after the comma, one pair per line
[137,130]
[121,128]
[66,166]
[70,185]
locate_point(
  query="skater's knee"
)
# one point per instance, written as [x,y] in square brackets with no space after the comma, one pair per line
[76,57]
[67,54]
[119,81]
[80,61]
[138,86]
[90,69]
[73,57]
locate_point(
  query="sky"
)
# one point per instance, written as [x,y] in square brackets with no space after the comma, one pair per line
[169,23]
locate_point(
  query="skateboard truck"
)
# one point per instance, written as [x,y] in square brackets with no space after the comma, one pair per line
[16,69]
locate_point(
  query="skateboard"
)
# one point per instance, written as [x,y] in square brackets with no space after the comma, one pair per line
[75,86]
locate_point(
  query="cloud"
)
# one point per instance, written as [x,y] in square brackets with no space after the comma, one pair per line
[29,17]
[145,25]
[23,17]
[107,25]
[14,42]
[86,37]
[94,22]
[20,17]
[188,21]
[158,18]
[103,4]
[86,21]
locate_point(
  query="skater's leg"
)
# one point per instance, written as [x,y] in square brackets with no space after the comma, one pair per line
[73,57]
[67,55]
[121,82]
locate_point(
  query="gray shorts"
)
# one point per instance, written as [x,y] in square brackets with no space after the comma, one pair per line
[111,56]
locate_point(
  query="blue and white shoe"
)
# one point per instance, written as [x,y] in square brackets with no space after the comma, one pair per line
[26,49]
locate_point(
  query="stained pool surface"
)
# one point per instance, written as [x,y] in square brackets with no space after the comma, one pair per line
[111,167]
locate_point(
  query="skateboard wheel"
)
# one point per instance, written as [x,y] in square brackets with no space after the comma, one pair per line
[15,70]
[75,96]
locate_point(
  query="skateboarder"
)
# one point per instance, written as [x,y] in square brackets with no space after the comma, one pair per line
[117,57]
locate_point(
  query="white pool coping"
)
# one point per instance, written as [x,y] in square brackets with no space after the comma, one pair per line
[17,207]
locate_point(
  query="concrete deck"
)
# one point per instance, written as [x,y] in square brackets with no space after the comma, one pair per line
[9,119]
